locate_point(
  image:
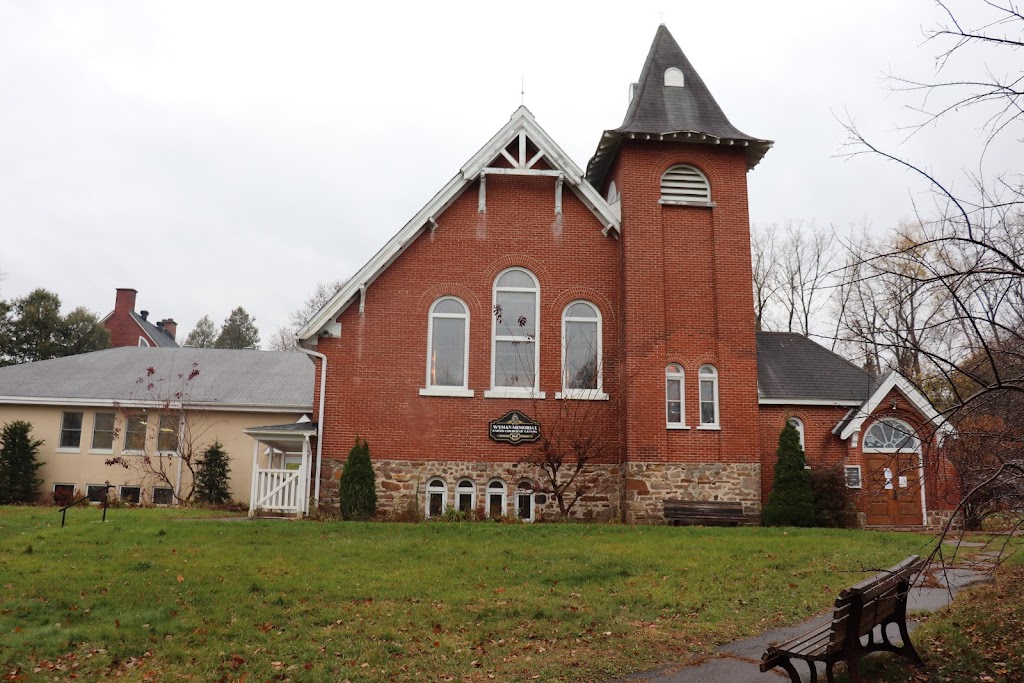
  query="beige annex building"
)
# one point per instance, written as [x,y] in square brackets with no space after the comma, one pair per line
[138,402]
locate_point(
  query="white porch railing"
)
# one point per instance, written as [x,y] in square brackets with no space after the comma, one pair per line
[279,490]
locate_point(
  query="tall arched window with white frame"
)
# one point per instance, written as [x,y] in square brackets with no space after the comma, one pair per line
[447,348]
[515,358]
[581,351]
[798,425]
[496,499]
[708,378]
[675,397]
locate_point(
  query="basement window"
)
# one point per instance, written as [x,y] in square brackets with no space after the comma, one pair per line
[437,492]
[684,184]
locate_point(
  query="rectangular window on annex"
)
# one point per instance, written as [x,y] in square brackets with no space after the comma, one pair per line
[135,432]
[71,431]
[103,432]
[170,425]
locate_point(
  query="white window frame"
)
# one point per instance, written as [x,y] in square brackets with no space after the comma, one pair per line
[847,469]
[120,493]
[96,502]
[489,491]
[799,424]
[143,341]
[596,394]
[674,78]
[461,490]
[440,489]
[430,389]
[145,440]
[161,488]
[113,433]
[701,378]
[60,434]
[692,170]
[674,373]
[525,488]
[515,392]
[905,427]
[53,488]
[159,432]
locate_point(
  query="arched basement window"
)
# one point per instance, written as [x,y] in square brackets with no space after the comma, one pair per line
[465,496]
[437,494]
[496,499]
[683,184]
[524,501]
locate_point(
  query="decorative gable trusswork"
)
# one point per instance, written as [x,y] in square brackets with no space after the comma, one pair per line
[521,147]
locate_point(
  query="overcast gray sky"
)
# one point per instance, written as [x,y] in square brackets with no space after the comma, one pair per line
[215,154]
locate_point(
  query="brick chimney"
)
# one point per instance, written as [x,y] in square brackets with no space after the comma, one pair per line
[124,302]
[169,327]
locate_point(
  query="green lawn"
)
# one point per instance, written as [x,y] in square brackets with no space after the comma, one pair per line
[170,595]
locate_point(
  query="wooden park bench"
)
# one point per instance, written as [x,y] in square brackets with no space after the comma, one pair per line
[708,513]
[878,601]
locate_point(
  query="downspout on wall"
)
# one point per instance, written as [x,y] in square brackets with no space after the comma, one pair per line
[320,418]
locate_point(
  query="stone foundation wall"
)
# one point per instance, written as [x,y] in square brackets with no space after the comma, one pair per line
[402,487]
[648,485]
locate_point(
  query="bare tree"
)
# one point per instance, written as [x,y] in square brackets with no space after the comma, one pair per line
[968,252]
[793,275]
[172,457]
[284,337]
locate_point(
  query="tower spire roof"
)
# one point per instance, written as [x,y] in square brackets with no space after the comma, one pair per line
[670,101]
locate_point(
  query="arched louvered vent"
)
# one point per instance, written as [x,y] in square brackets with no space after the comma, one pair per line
[685,185]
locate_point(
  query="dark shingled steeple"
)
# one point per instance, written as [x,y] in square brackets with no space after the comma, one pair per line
[686,114]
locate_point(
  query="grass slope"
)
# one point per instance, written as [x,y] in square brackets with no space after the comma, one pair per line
[169,595]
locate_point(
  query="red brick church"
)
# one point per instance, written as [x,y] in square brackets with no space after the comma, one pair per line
[529,293]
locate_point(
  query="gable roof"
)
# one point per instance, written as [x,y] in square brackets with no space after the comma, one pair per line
[853,423]
[155,334]
[521,123]
[688,113]
[791,367]
[227,379]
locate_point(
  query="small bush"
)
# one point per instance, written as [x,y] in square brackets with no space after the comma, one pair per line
[18,463]
[453,514]
[791,502]
[212,476]
[358,486]
[833,504]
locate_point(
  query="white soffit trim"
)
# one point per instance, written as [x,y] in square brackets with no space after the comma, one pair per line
[894,380]
[522,120]
[130,403]
[808,402]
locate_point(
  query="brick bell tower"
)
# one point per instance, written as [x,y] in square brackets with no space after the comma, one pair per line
[676,171]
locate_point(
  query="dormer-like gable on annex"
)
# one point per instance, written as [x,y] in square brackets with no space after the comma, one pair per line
[520,148]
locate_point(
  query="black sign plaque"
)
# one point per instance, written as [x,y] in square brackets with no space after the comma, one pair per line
[515,428]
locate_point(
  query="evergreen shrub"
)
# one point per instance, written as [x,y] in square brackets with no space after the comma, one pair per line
[358,486]
[791,502]
[18,463]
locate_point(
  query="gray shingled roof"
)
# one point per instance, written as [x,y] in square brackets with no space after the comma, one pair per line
[271,379]
[161,338]
[689,113]
[791,366]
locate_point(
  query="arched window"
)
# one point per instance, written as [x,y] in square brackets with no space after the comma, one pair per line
[465,496]
[889,435]
[437,497]
[581,351]
[684,184]
[447,347]
[524,501]
[675,397]
[708,397]
[798,424]
[514,370]
[496,499]
[674,78]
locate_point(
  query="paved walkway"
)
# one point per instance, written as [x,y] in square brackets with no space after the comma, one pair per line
[738,662]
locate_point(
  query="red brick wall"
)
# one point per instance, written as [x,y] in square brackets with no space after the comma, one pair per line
[688,300]
[378,364]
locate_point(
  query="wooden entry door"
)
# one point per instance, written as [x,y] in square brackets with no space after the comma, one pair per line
[893,489]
